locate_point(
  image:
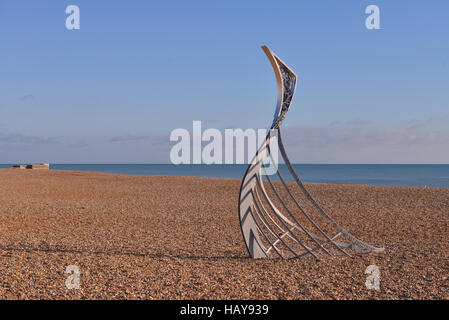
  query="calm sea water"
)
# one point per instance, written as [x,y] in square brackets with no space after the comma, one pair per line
[370,174]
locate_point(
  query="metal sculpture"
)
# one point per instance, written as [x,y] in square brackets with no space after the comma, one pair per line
[302,227]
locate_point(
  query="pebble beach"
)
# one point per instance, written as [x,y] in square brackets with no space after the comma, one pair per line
[157,237]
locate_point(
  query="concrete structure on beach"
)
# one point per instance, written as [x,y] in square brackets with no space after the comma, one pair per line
[45,166]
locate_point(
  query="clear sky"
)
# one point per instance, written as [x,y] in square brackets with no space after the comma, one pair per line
[113,91]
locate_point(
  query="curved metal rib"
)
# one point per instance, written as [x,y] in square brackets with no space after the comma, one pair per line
[290,237]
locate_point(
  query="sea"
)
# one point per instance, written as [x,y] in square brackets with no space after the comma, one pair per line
[422,175]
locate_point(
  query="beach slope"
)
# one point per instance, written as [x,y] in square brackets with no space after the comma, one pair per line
[154,237]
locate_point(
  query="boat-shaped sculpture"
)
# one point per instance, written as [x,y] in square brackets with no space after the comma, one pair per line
[279,221]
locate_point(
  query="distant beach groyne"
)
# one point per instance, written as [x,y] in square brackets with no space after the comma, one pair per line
[45,166]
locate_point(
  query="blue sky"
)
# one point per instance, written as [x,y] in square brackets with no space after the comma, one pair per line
[113,91]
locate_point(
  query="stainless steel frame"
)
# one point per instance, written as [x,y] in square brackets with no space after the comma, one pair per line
[302,227]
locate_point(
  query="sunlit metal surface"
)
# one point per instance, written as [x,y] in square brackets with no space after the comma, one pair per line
[283,220]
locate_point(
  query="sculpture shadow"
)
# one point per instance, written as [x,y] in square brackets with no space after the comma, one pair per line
[124,253]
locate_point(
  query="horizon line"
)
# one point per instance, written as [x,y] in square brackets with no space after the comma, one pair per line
[226,164]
